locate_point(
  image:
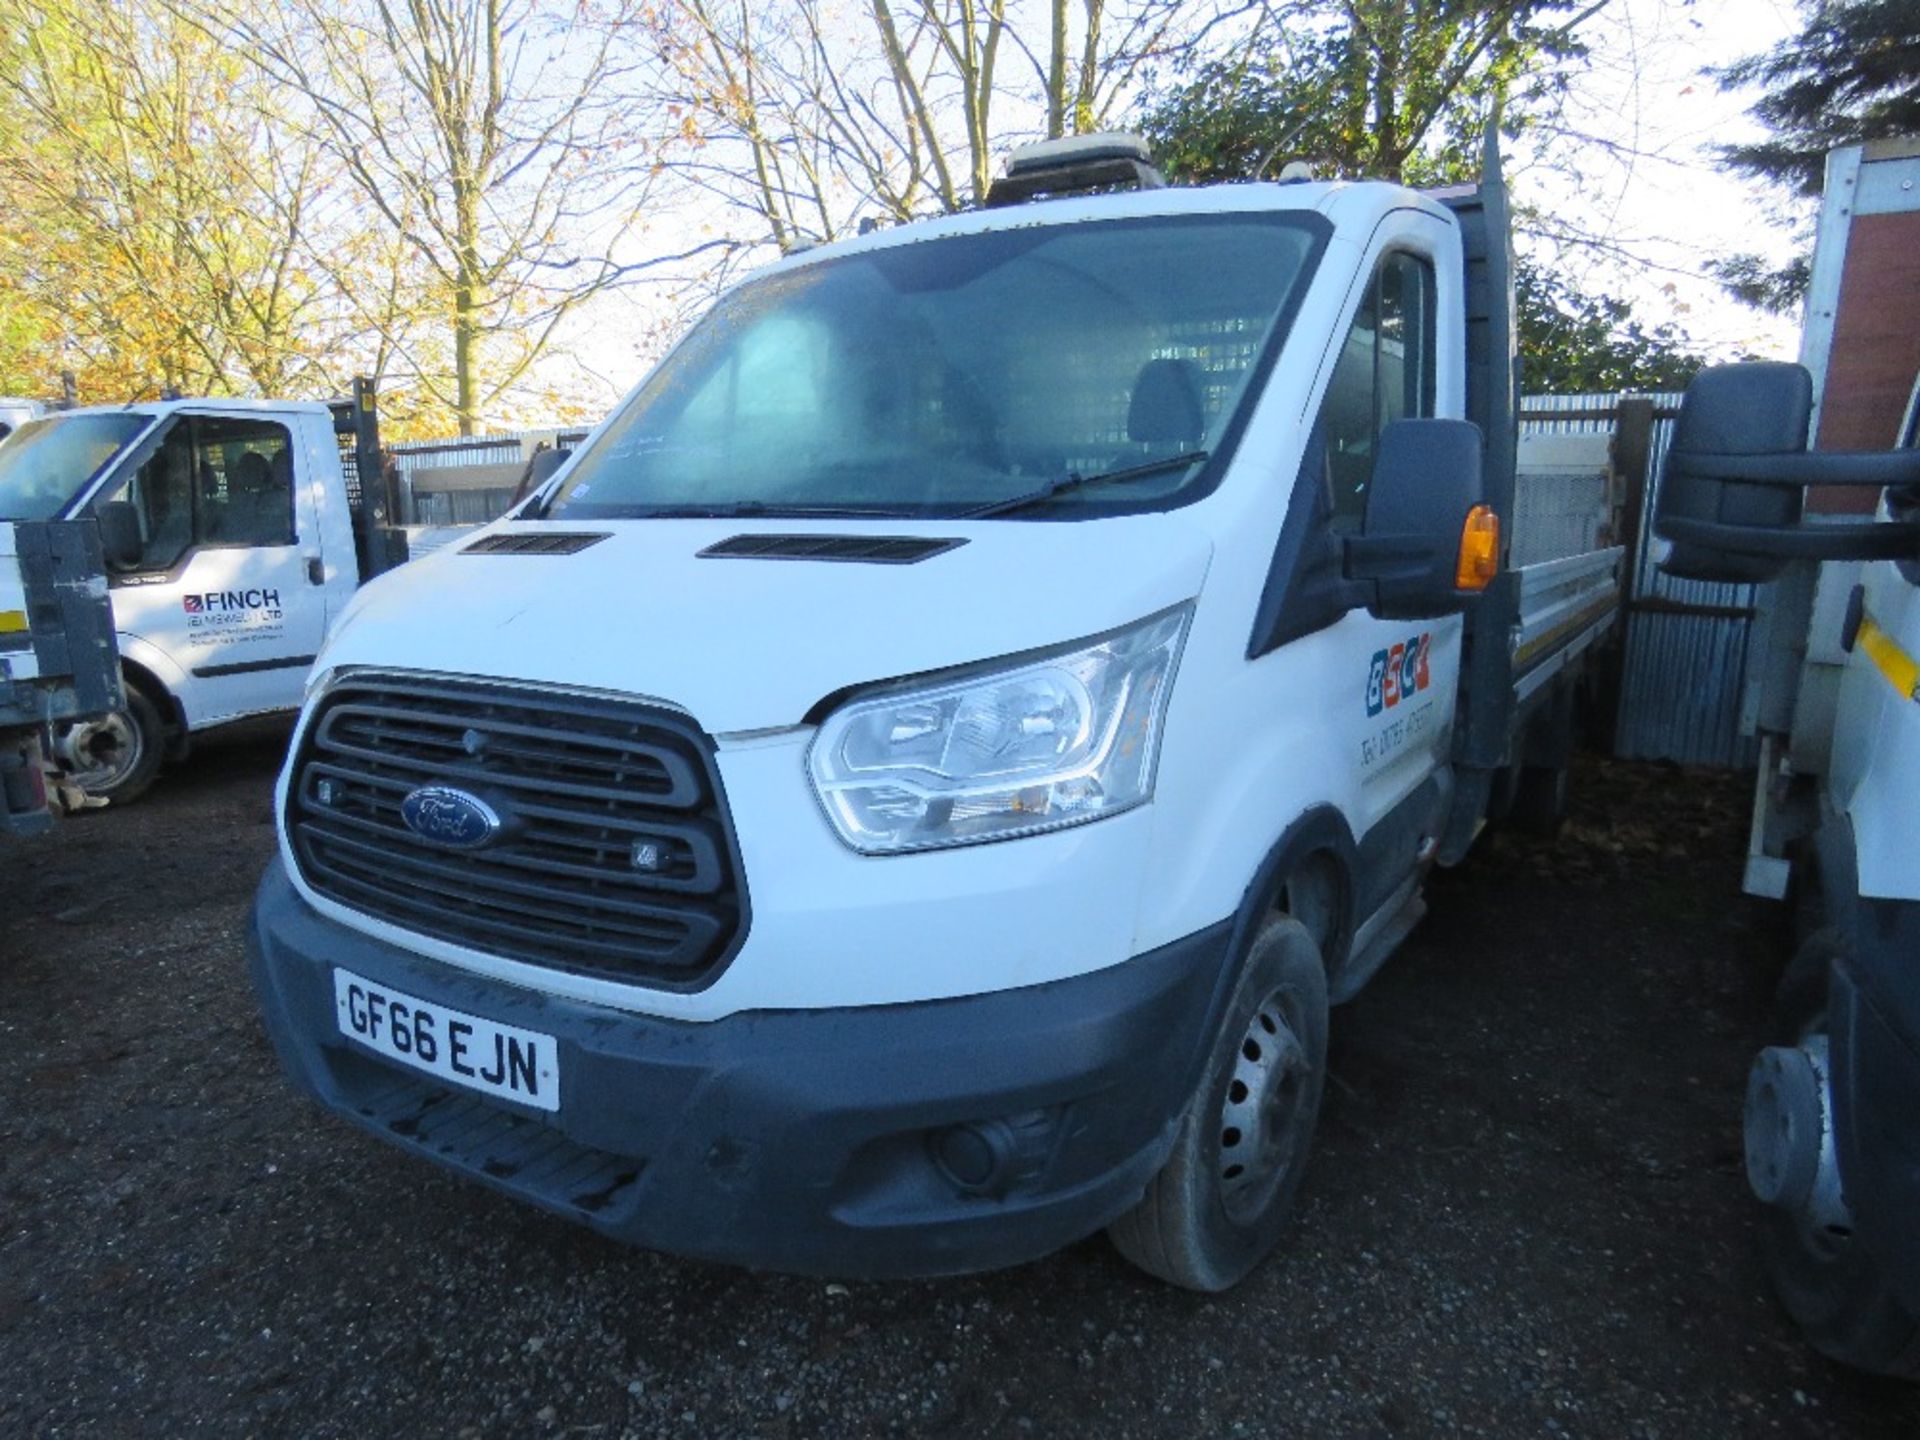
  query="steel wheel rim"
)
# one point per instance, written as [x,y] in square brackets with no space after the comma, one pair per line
[104,752]
[1260,1117]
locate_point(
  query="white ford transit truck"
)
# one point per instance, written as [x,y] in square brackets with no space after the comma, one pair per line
[905,794]
[234,533]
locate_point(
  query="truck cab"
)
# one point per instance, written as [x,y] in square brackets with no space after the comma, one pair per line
[232,546]
[1779,477]
[905,794]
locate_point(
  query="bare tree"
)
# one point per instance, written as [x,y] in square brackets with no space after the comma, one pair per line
[502,143]
[900,107]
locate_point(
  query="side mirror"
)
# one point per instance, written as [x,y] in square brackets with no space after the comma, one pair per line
[120,540]
[1733,495]
[1427,543]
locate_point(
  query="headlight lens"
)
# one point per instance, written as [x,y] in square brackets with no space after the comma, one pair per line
[1052,742]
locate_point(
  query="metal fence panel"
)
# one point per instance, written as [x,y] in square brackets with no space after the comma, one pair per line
[459,507]
[1686,640]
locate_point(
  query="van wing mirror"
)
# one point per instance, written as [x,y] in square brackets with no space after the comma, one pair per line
[1733,496]
[1427,544]
[120,542]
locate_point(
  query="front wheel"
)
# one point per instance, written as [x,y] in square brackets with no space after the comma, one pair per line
[116,757]
[1219,1204]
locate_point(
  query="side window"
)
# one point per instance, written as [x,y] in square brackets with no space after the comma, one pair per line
[214,482]
[245,470]
[1384,373]
[161,492]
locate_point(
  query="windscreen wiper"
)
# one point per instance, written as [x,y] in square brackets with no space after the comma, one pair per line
[1072,480]
[752,509]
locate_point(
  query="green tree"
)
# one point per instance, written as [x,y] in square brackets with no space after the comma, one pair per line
[1851,74]
[1573,342]
[1400,90]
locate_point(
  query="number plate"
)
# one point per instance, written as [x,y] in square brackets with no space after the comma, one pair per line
[468,1050]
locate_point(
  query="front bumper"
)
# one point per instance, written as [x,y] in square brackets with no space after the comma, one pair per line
[1874,1010]
[794,1139]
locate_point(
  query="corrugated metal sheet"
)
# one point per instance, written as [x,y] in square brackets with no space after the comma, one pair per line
[1683,673]
[437,499]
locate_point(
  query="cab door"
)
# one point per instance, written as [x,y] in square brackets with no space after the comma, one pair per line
[223,587]
[1387,369]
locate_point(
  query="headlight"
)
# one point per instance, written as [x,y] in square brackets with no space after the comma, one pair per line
[1051,742]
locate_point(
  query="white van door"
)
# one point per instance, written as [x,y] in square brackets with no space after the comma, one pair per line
[1387,369]
[222,587]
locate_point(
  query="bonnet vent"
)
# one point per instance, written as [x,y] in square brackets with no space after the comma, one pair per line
[533,542]
[860,549]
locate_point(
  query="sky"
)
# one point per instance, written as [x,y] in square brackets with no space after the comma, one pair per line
[1670,207]
[1646,187]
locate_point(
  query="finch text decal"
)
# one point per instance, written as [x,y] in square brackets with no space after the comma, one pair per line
[255,611]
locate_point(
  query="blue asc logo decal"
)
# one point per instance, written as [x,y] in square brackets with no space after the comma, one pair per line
[1398,674]
[450,817]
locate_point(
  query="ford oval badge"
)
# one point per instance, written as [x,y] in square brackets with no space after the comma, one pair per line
[451,817]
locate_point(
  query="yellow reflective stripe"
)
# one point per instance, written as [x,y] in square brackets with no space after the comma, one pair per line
[1889,659]
[12,622]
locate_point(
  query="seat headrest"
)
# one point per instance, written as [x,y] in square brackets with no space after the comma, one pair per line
[250,473]
[1166,403]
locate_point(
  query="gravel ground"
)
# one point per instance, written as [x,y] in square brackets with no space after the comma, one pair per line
[1526,1214]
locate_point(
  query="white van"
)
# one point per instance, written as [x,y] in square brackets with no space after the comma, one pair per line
[234,536]
[905,795]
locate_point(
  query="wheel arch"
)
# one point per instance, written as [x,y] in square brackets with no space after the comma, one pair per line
[1318,842]
[150,667]
[172,713]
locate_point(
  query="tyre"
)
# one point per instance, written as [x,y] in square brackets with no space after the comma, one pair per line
[1540,800]
[1218,1206]
[1827,1282]
[116,758]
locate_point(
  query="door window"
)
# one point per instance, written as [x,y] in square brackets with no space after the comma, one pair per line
[1384,373]
[214,482]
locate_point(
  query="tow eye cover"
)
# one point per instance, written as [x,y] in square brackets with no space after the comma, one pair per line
[450,817]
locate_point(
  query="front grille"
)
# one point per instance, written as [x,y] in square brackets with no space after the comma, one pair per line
[614,854]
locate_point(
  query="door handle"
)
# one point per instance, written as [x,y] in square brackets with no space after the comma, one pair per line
[316,570]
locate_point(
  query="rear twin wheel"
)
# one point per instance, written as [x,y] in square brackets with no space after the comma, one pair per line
[1219,1205]
[115,758]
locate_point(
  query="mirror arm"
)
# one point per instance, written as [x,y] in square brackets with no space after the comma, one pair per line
[1872,540]
[1805,467]
[1368,557]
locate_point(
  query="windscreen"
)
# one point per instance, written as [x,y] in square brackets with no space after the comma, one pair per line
[45,463]
[945,375]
